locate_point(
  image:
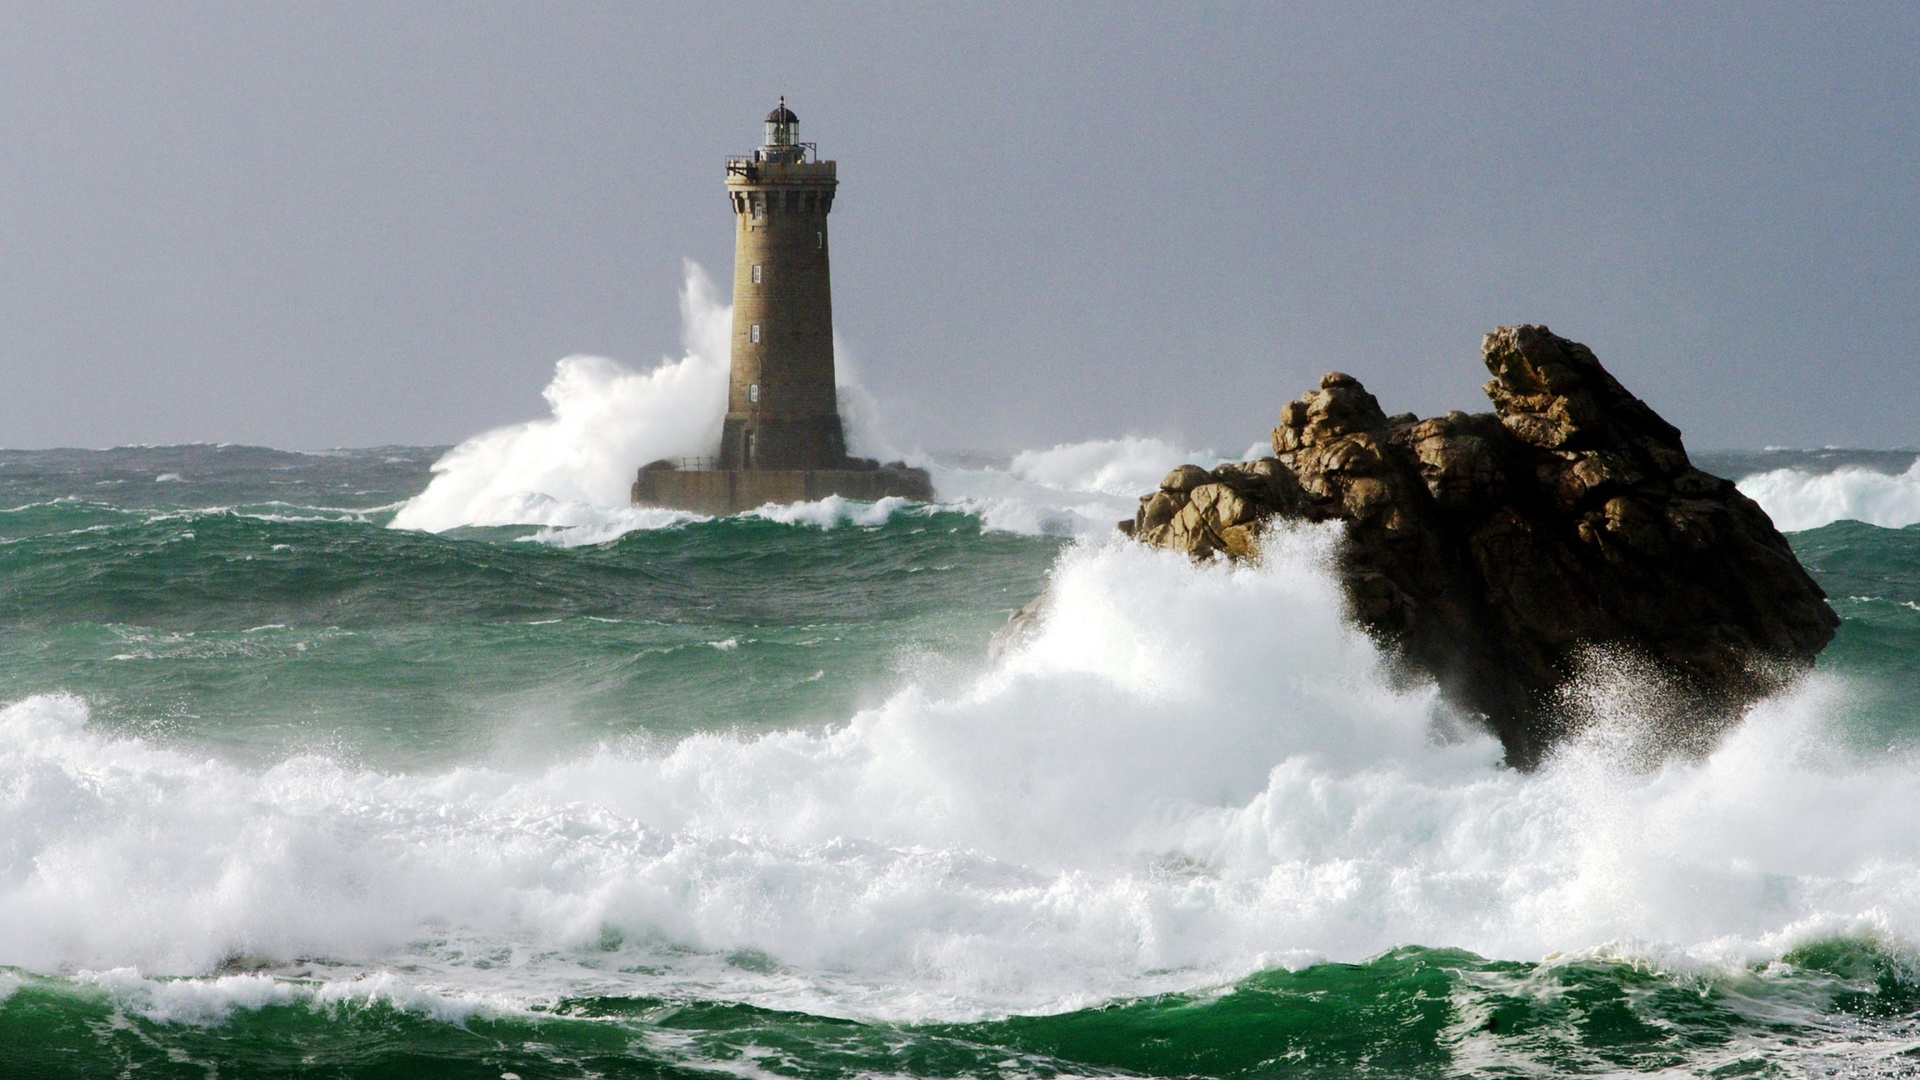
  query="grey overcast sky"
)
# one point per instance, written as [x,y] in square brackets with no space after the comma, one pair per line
[338,224]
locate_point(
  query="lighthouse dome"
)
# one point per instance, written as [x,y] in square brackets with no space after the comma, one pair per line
[783,132]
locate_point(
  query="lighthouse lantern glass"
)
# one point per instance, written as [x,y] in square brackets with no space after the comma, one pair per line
[781,134]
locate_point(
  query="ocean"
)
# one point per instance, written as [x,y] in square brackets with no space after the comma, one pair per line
[288,791]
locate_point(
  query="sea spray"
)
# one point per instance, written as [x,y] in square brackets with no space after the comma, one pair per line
[573,469]
[1124,467]
[570,472]
[689,796]
[1190,773]
[860,412]
[1070,489]
[607,421]
[1797,499]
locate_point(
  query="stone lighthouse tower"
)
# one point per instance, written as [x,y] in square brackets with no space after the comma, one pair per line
[781,408]
[782,440]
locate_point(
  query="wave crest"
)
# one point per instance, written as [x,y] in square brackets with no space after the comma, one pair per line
[607,420]
[1187,773]
[571,471]
[1797,500]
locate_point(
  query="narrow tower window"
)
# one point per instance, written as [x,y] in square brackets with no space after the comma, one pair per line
[756,273]
[820,240]
[755,333]
[753,393]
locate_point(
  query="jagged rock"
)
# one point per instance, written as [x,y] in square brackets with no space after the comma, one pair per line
[1494,551]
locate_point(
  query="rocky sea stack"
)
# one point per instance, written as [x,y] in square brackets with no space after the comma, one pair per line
[1501,554]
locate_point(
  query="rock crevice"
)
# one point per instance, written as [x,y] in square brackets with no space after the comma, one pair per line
[1492,552]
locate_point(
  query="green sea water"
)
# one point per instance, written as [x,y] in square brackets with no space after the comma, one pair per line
[287,792]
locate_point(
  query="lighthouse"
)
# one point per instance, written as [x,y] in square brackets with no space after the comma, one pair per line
[781,440]
[781,408]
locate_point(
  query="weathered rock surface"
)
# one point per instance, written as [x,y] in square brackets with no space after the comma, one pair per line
[1494,551]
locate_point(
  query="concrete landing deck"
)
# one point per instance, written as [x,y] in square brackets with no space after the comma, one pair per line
[732,491]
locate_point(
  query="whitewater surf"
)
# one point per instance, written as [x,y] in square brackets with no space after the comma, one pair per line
[445,762]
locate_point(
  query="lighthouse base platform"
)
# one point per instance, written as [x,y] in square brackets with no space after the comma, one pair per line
[731,491]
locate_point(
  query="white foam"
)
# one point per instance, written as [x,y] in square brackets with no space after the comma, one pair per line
[1124,467]
[190,1001]
[1186,774]
[204,1002]
[1071,489]
[571,525]
[571,472]
[1798,500]
[577,525]
[860,411]
[833,511]
[607,420]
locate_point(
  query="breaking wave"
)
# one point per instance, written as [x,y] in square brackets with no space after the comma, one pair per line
[1797,500]
[571,470]
[1073,489]
[607,420]
[1168,785]
[1124,467]
[569,473]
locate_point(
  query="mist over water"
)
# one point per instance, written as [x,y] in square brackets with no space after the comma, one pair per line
[306,753]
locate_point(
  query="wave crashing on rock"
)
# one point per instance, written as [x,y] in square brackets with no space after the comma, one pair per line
[1503,554]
